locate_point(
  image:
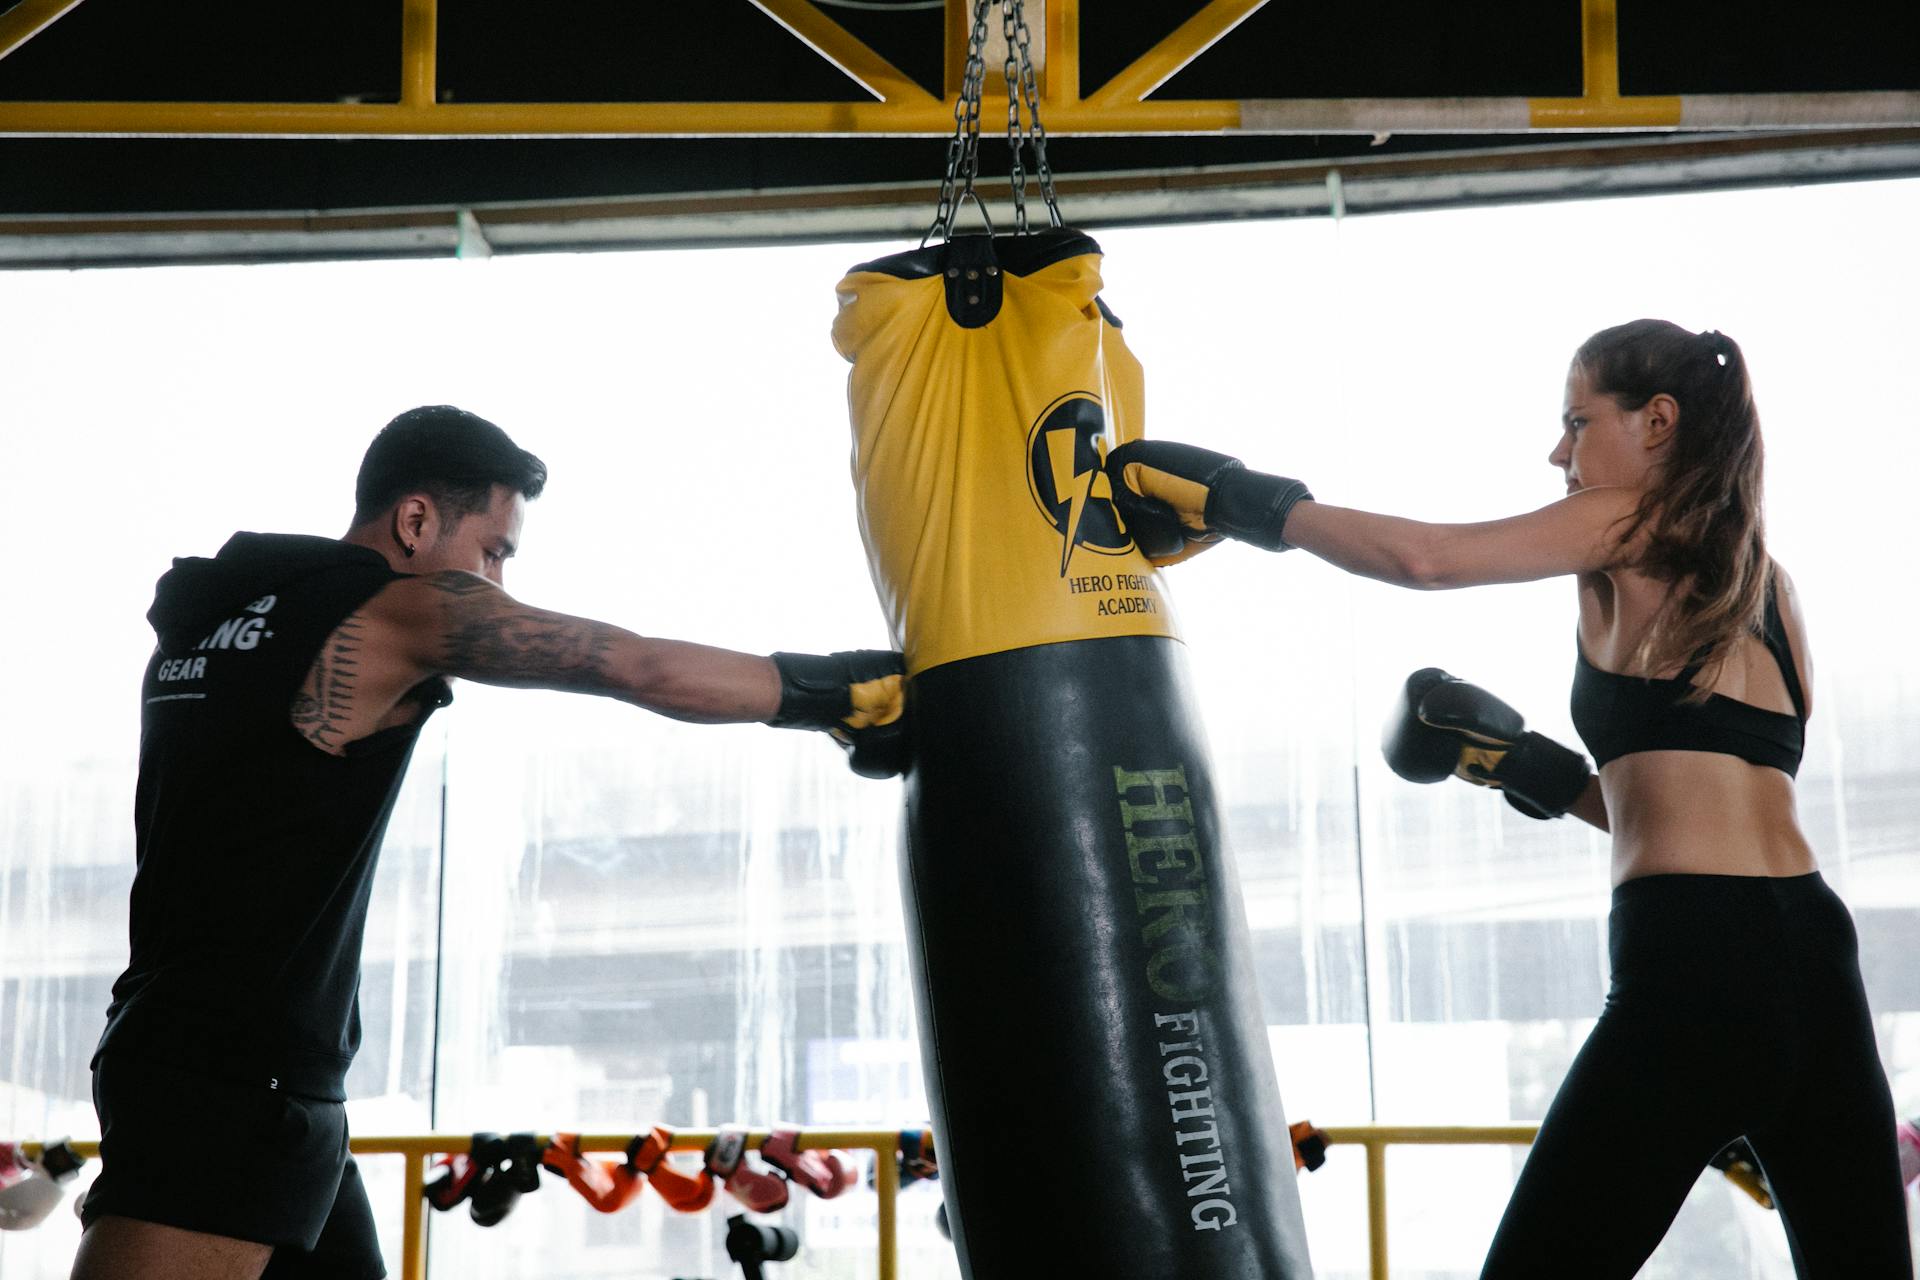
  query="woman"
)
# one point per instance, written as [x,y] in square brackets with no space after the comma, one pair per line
[1736,1005]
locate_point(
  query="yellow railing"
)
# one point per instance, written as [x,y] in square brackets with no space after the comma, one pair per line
[1376,1138]
[418,1149]
[884,1143]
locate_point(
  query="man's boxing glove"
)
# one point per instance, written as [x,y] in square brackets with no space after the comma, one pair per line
[1165,489]
[1442,725]
[858,696]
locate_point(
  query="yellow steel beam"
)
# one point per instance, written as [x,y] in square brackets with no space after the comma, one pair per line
[28,19]
[1589,114]
[849,54]
[929,118]
[1060,81]
[1601,105]
[907,110]
[419,52]
[584,119]
[1600,48]
[1187,41]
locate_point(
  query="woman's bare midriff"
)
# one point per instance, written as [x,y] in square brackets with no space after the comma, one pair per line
[1701,813]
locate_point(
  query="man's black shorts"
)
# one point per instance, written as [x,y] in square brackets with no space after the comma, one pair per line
[232,1158]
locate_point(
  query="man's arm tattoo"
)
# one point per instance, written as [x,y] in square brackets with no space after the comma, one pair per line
[324,705]
[489,637]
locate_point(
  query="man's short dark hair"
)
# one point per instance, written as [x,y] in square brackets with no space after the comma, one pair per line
[453,456]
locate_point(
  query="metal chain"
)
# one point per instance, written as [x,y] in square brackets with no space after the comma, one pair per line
[1031,92]
[1013,21]
[963,149]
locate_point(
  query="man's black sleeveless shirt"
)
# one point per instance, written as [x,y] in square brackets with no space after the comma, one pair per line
[255,849]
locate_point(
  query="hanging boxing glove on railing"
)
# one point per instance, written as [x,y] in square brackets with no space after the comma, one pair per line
[689,1193]
[826,1173]
[728,1164]
[758,1189]
[1309,1145]
[32,1189]
[454,1175]
[14,1165]
[509,1168]
[725,1153]
[918,1162]
[627,1178]
[598,1181]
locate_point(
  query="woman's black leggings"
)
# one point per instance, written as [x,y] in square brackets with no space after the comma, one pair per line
[1736,1008]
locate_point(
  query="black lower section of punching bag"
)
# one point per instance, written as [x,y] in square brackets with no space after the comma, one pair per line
[1103,1094]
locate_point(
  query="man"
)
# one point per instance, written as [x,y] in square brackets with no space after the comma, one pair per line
[292,677]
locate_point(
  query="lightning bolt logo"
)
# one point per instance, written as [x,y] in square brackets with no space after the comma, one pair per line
[1066,455]
[1075,485]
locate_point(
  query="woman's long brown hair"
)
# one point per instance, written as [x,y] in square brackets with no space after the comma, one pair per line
[1699,524]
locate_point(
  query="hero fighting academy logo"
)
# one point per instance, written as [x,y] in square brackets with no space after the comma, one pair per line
[1066,455]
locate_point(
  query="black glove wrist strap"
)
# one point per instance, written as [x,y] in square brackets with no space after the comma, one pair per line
[1549,776]
[813,691]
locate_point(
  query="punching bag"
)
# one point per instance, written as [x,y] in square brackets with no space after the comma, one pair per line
[1103,1094]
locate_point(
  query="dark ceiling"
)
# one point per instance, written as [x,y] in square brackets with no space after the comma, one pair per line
[721,50]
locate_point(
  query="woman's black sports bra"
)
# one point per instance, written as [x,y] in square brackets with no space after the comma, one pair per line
[1618,715]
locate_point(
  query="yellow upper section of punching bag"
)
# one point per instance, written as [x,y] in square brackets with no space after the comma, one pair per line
[988,522]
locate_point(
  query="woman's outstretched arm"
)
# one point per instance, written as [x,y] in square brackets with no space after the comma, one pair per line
[1578,534]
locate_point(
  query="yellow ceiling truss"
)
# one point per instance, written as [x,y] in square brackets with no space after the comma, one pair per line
[900,107]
